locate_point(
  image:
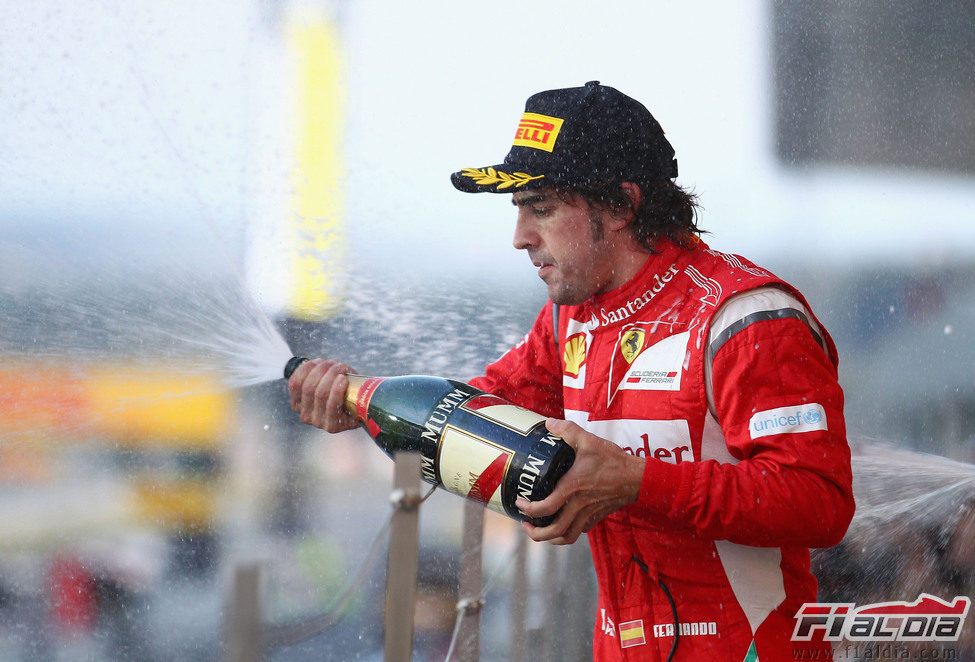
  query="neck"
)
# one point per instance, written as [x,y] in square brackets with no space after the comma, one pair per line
[627,257]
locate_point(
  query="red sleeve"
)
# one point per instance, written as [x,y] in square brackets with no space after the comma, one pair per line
[788,488]
[530,373]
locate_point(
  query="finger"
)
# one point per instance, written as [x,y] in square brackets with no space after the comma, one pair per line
[559,527]
[337,418]
[572,433]
[308,405]
[559,498]
[322,410]
[561,428]
[543,507]
[556,533]
[538,535]
[576,517]
[582,522]
[297,380]
[533,532]
[591,522]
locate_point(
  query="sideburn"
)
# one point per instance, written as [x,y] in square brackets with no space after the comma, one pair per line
[596,227]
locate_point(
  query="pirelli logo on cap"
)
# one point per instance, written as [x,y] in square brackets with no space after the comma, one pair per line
[538,131]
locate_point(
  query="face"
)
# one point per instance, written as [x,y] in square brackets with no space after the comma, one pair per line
[567,243]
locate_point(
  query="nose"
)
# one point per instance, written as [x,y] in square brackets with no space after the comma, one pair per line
[526,235]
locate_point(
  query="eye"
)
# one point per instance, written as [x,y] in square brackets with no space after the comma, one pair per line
[542,211]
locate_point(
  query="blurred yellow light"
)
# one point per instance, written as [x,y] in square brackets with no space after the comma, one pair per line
[317,237]
[160,406]
[129,403]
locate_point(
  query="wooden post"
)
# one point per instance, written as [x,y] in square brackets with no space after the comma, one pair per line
[519,602]
[578,590]
[552,626]
[470,600]
[245,629]
[404,550]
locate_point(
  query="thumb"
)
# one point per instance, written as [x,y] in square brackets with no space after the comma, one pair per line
[563,428]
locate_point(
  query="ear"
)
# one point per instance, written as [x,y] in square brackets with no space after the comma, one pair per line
[621,217]
[635,195]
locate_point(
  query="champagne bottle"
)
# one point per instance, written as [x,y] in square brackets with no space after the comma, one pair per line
[472,443]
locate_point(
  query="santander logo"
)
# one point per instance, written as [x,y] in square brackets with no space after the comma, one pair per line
[632,306]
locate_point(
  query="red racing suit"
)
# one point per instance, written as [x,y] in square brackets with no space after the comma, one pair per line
[718,374]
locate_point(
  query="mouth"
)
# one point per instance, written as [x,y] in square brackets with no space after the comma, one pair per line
[544,267]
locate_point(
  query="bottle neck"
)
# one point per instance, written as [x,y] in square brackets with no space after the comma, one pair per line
[352,394]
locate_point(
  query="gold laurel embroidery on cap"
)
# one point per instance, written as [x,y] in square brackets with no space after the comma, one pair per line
[492,177]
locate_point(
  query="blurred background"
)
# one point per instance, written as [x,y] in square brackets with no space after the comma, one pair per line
[188,190]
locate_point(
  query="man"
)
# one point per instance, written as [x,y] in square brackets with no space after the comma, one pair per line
[698,390]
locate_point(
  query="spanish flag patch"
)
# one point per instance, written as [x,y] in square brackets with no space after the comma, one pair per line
[631,634]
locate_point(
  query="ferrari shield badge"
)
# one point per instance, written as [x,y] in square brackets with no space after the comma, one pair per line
[631,343]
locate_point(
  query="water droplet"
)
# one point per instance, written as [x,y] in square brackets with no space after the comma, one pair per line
[267,427]
[949,329]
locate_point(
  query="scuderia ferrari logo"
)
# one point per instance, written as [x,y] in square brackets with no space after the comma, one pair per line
[647,367]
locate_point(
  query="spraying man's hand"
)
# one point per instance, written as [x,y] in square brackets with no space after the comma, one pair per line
[317,391]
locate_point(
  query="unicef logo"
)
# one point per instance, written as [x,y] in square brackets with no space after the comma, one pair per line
[787,420]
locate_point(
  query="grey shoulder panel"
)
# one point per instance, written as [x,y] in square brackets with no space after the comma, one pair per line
[761,316]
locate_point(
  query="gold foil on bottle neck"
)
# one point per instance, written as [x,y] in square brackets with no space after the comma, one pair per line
[352,393]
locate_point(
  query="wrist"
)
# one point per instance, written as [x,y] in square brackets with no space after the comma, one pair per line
[633,472]
[660,492]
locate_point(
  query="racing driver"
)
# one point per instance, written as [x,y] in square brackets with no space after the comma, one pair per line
[699,392]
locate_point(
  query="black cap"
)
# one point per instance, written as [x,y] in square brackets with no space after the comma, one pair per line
[577,136]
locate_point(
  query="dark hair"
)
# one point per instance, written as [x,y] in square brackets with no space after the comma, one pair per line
[665,209]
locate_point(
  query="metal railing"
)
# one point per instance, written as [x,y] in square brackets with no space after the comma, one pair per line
[250,638]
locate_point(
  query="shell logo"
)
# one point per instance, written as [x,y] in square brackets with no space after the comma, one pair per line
[575,354]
